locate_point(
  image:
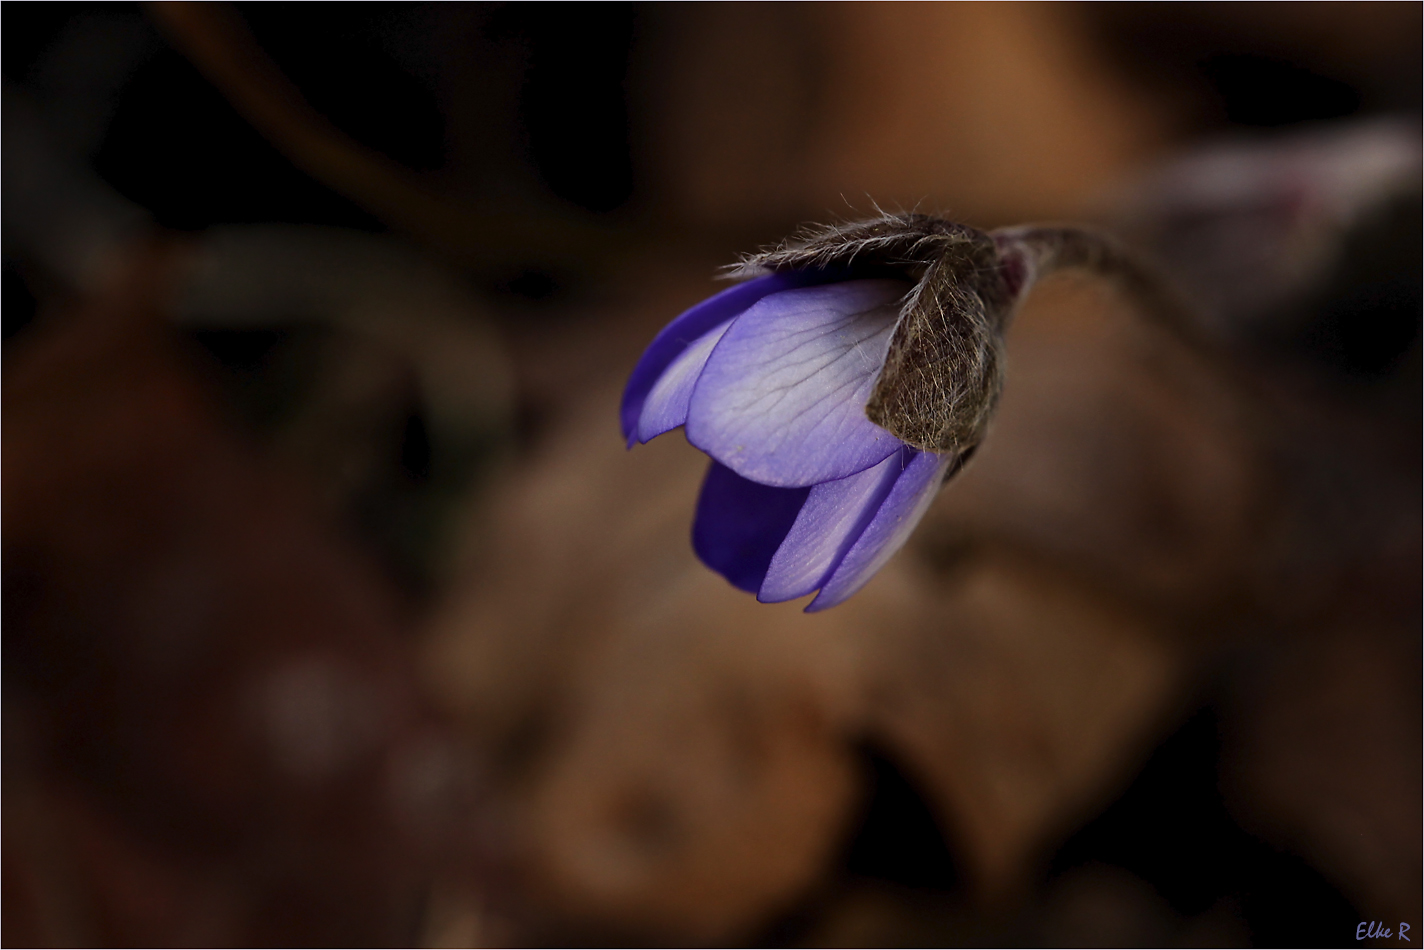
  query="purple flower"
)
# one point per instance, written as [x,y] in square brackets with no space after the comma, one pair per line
[771,379]
[836,390]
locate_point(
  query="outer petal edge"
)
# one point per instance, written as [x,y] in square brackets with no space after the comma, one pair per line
[690,326]
[888,530]
[834,516]
[665,405]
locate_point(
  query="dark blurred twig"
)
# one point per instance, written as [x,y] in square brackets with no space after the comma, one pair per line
[215,39]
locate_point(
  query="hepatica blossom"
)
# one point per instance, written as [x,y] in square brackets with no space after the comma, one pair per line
[834,390]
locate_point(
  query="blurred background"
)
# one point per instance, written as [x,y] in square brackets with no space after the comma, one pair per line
[335,611]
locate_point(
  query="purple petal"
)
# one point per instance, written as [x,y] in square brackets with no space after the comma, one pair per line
[834,516]
[782,398]
[665,406]
[740,524]
[690,327]
[887,532]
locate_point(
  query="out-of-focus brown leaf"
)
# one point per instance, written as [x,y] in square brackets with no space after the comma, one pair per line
[997,111]
[1325,756]
[211,727]
[1118,451]
[1022,697]
[670,749]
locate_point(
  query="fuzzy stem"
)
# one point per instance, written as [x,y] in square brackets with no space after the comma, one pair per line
[1032,252]
[1045,249]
